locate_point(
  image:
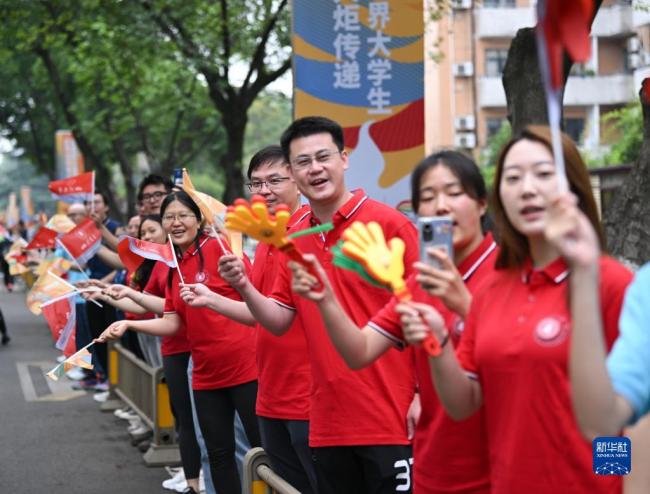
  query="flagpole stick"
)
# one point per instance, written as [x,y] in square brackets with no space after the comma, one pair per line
[92,197]
[74,260]
[178,269]
[218,237]
[73,287]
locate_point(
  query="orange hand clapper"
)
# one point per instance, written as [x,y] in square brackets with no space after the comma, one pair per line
[256,221]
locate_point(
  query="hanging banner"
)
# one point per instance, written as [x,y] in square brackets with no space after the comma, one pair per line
[69,160]
[26,205]
[361,63]
[12,214]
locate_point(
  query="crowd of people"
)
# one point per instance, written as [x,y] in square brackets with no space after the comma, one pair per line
[327,373]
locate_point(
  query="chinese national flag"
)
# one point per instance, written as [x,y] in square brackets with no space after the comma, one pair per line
[79,188]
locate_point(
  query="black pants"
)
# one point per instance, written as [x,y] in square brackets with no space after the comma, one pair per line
[175,369]
[3,324]
[287,444]
[99,318]
[367,469]
[8,278]
[216,413]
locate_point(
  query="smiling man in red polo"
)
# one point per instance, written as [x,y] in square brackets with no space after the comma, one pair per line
[357,418]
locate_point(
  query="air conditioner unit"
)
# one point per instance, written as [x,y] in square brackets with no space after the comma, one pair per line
[633,60]
[465,140]
[464,69]
[466,122]
[461,4]
[633,44]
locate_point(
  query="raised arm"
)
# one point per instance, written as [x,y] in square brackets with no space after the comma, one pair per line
[110,257]
[271,315]
[358,347]
[460,395]
[600,411]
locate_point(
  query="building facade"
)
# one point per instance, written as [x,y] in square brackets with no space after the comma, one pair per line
[466,103]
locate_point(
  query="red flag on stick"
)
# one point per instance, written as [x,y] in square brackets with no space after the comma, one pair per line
[43,239]
[561,26]
[60,315]
[133,251]
[83,241]
[79,188]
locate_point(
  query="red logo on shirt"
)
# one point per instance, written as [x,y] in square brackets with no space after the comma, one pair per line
[201,277]
[551,331]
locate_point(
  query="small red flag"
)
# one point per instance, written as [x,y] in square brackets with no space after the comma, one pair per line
[133,251]
[43,239]
[60,315]
[79,188]
[83,241]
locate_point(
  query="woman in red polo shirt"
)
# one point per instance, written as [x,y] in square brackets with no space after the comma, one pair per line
[513,357]
[225,377]
[142,299]
[449,456]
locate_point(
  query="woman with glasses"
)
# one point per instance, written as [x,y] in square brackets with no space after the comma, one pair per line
[143,299]
[223,351]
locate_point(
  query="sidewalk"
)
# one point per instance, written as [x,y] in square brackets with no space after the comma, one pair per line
[53,439]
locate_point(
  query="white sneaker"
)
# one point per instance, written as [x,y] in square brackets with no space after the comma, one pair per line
[125,414]
[76,374]
[202,482]
[181,486]
[176,479]
[60,358]
[101,397]
[143,429]
[134,424]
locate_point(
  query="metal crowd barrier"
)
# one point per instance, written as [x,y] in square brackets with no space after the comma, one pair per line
[260,479]
[142,388]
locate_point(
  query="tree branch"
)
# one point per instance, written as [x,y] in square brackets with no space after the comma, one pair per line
[225,34]
[257,62]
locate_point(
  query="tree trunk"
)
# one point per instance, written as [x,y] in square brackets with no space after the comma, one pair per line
[522,79]
[627,219]
[102,175]
[234,123]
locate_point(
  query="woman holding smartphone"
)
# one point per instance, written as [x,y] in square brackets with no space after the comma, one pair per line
[449,456]
[512,361]
[223,351]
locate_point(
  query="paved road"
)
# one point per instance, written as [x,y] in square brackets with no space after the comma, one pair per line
[63,446]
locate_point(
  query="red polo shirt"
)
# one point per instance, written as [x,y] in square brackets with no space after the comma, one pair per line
[284,382]
[156,286]
[368,406]
[516,342]
[223,350]
[448,456]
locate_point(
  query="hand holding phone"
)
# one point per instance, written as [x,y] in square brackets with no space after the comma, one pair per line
[437,232]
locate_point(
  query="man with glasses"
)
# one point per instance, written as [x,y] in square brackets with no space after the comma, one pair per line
[357,418]
[152,191]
